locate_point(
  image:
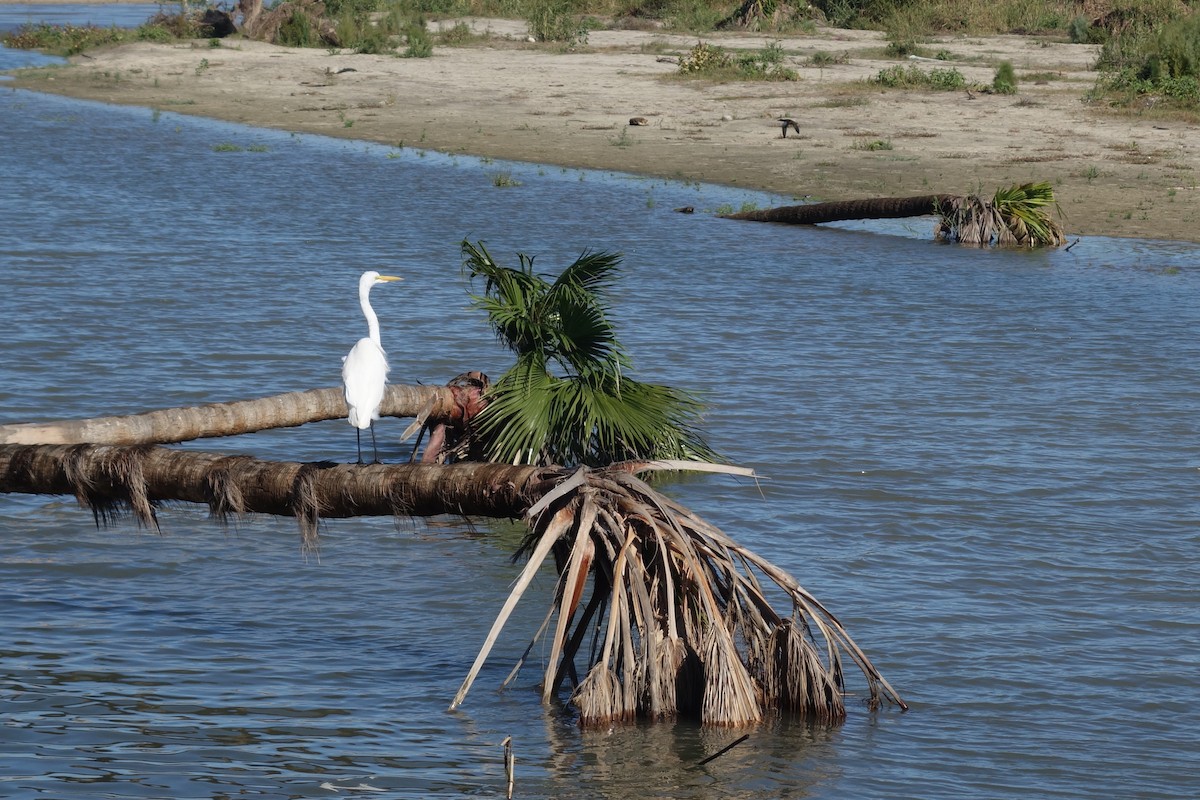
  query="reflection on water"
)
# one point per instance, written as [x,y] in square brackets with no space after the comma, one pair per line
[781,759]
[983,462]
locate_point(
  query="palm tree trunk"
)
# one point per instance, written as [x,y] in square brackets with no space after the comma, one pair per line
[109,479]
[845,210]
[166,426]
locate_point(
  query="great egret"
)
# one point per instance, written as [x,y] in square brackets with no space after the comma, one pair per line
[365,367]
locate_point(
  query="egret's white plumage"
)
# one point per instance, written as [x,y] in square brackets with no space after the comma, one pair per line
[365,367]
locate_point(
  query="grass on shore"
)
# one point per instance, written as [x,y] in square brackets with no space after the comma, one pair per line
[1150,49]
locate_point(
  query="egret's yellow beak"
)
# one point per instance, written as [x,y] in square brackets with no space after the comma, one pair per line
[388,278]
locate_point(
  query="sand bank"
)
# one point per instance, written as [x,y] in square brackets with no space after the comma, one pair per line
[502,97]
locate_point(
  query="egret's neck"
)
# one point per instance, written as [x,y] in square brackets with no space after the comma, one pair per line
[364,300]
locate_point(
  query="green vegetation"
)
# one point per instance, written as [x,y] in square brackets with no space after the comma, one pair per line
[418,42]
[567,399]
[67,40]
[373,33]
[873,145]
[824,59]
[715,63]
[298,31]
[458,35]
[1150,49]
[1005,81]
[555,21]
[1161,62]
[914,20]
[913,77]
[907,23]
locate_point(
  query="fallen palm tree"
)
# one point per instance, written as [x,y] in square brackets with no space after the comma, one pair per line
[1013,217]
[682,619]
[688,627]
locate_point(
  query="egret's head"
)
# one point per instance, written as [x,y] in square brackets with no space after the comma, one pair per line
[371,277]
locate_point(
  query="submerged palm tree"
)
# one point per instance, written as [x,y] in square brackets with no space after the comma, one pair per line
[1017,216]
[589,412]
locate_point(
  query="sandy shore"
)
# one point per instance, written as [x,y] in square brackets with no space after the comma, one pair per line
[1114,174]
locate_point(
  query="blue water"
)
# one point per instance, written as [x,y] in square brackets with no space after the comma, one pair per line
[121,15]
[985,463]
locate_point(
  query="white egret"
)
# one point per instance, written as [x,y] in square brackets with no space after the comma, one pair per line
[365,367]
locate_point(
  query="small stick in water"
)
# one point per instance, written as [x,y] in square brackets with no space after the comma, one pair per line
[510,762]
[724,750]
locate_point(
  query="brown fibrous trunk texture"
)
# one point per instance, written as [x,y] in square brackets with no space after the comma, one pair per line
[847,210]
[113,480]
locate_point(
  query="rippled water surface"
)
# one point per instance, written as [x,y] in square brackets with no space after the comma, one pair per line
[984,462]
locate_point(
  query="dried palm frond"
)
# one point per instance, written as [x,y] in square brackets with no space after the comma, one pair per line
[729,691]
[687,626]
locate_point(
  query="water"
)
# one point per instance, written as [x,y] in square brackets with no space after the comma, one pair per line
[121,15]
[985,463]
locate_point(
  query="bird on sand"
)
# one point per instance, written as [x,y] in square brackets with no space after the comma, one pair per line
[788,122]
[365,367]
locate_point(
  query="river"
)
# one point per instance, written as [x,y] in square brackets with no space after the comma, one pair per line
[984,462]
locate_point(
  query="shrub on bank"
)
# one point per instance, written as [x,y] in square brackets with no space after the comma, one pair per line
[913,77]
[1005,81]
[64,40]
[715,63]
[1158,62]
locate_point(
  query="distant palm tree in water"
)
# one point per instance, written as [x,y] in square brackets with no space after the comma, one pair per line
[1014,217]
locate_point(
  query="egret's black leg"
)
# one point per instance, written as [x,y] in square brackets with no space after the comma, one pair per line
[374,449]
[358,441]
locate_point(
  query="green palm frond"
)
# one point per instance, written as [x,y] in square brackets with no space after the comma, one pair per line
[590,414]
[534,417]
[565,320]
[1016,216]
[586,280]
[518,421]
[1024,209]
[510,298]
[586,342]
